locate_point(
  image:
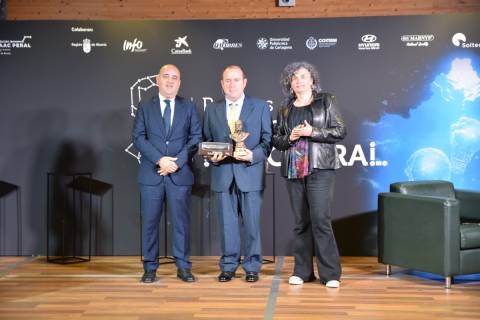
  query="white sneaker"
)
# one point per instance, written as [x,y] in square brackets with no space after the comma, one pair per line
[333,284]
[295,280]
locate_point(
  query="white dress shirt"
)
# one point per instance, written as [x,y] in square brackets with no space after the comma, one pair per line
[163,105]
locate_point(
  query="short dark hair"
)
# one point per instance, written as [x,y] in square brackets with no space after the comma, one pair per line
[231,66]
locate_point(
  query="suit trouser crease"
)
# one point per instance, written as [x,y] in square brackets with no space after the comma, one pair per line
[311,200]
[233,205]
[177,199]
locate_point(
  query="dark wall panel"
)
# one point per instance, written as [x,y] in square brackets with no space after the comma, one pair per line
[408,93]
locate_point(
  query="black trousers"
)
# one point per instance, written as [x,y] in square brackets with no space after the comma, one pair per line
[311,200]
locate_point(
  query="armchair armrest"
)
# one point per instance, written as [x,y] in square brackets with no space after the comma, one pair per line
[419,232]
[469,204]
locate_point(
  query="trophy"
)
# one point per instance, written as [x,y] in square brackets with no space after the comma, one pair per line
[239,137]
[210,148]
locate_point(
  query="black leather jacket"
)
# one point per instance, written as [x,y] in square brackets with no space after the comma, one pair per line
[328,128]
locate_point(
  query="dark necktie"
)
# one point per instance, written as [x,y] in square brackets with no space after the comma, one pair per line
[167,116]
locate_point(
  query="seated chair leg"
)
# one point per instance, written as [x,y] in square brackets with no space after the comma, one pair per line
[448,282]
[388,269]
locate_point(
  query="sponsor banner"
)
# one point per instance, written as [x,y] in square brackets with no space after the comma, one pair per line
[460,40]
[222,44]
[313,43]
[87,45]
[281,43]
[369,43]
[8,46]
[417,40]
[181,46]
[133,46]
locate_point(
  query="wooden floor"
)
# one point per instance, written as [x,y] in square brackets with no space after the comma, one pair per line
[109,288]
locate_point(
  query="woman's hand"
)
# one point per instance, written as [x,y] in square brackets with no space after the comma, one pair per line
[305,130]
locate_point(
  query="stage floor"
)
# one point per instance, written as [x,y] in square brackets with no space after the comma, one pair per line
[109,288]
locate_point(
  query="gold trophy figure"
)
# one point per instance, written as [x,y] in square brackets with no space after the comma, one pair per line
[239,137]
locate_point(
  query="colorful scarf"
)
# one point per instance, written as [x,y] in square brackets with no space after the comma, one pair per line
[298,165]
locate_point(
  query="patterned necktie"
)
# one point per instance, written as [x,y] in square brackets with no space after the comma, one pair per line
[232,116]
[167,116]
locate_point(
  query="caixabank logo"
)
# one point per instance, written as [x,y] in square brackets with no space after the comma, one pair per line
[460,40]
[181,46]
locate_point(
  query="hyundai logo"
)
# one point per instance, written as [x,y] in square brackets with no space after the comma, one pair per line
[369,38]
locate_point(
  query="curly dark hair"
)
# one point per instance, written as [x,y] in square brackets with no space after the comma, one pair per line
[289,71]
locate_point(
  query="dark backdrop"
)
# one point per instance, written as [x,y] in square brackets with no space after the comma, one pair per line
[67,90]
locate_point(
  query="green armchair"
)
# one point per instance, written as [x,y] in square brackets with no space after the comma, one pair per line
[429,226]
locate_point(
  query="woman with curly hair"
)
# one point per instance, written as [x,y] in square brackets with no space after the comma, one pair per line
[308,126]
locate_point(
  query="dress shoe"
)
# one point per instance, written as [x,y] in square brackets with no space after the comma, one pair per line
[185,275]
[226,276]
[251,276]
[149,276]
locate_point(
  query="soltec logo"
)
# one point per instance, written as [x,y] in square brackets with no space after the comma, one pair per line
[134,46]
[458,39]
[369,38]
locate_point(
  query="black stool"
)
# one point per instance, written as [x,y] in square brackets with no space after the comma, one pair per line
[65,218]
[96,188]
[5,189]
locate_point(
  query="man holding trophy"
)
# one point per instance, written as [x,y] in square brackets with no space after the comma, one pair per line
[237,179]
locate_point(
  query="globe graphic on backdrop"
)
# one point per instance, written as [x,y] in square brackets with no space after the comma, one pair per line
[428,164]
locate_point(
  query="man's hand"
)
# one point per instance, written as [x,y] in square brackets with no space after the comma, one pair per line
[167,165]
[216,157]
[248,157]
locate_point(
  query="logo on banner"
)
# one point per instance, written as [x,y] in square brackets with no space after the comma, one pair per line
[460,40]
[6,46]
[222,44]
[369,42]
[262,43]
[181,46]
[313,43]
[274,43]
[417,40]
[87,45]
[133,46]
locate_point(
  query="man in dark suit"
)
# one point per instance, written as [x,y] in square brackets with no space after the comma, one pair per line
[238,182]
[166,132]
